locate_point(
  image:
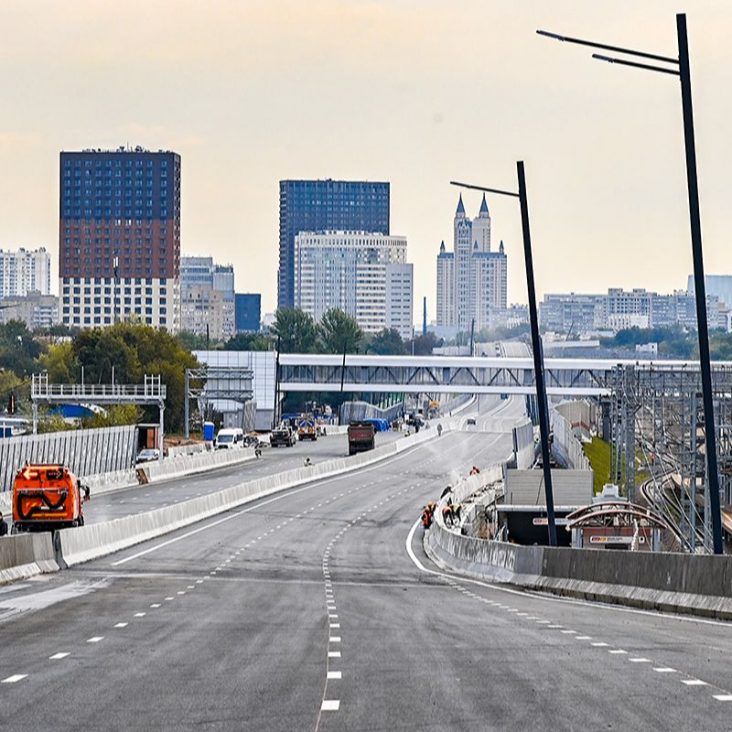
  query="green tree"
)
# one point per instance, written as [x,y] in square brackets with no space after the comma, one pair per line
[19,350]
[422,345]
[249,342]
[61,363]
[195,342]
[339,332]
[118,414]
[296,330]
[133,351]
[387,342]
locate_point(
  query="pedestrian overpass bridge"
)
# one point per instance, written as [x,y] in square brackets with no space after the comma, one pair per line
[461,374]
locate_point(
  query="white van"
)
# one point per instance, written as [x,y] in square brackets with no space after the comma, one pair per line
[230,439]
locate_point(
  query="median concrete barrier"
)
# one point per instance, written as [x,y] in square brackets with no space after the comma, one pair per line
[25,555]
[94,540]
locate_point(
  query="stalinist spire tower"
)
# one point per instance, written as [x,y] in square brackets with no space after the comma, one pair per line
[482,228]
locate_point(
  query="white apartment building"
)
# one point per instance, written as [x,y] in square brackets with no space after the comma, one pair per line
[364,274]
[25,271]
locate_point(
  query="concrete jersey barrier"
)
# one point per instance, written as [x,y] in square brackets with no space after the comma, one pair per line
[94,540]
[686,583]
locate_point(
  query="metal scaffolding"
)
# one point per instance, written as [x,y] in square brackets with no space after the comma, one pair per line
[657,426]
[211,384]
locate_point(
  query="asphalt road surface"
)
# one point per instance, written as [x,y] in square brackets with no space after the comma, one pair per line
[138,499]
[317,610]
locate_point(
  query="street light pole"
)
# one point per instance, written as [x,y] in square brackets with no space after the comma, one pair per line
[699,284]
[535,342]
[538,355]
[680,67]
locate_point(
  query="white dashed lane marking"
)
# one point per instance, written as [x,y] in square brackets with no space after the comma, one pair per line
[95,639]
[330,705]
[14,678]
[58,656]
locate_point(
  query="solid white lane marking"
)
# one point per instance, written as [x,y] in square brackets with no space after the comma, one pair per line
[334,674]
[334,654]
[95,639]
[330,705]
[693,682]
[58,656]
[120,625]
[14,679]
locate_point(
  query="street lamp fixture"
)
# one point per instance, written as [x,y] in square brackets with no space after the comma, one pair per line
[680,67]
[535,340]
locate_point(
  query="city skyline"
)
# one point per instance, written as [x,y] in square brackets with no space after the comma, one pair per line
[602,145]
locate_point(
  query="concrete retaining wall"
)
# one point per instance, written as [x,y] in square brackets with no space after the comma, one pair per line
[685,583]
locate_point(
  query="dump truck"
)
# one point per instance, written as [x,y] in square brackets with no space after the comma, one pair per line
[47,497]
[307,429]
[360,437]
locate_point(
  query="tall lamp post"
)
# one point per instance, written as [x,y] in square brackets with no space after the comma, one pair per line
[535,340]
[680,67]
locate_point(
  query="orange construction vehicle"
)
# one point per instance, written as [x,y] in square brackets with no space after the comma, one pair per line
[47,497]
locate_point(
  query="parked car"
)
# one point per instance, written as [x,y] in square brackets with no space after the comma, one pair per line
[230,439]
[148,455]
[283,436]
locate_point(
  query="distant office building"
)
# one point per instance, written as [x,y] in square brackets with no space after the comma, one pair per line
[34,309]
[719,286]
[472,279]
[119,237]
[445,287]
[207,302]
[24,271]
[325,205]
[586,314]
[248,312]
[365,274]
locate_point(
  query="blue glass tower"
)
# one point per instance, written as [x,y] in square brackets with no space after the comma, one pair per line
[320,205]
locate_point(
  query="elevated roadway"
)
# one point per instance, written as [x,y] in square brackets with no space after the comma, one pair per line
[316,609]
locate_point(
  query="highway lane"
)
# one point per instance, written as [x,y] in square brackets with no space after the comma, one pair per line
[250,637]
[130,501]
[307,612]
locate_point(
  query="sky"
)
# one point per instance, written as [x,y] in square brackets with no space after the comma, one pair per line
[416,92]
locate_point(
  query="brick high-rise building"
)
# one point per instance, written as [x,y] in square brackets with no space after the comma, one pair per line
[119,237]
[325,205]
